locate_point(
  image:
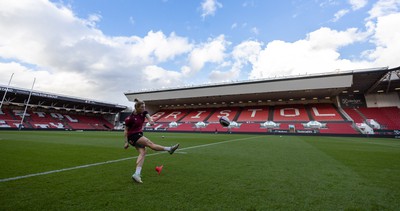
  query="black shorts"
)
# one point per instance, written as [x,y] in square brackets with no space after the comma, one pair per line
[133,138]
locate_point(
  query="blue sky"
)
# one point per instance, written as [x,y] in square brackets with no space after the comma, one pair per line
[99,49]
[263,20]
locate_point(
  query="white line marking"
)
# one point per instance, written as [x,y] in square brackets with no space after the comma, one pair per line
[222,142]
[66,169]
[114,161]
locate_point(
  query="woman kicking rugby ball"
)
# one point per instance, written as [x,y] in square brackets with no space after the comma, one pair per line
[134,136]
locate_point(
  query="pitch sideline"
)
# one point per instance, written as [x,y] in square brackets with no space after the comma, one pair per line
[115,161]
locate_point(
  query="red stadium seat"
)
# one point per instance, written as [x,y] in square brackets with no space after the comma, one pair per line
[253,114]
[290,113]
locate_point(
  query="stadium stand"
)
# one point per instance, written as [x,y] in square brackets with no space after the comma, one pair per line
[253,114]
[228,112]
[88,122]
[53,111]
[285,126]
[42,120]
[388,118]
[355,116]
[197,115]
[329,103]
[157,115]
[53,120]
[339,128]
[214,127]
[250,119]
[7,119]
[354,102]
[172,116]
[324,112]
[290,113]
[183,127]
[250,127]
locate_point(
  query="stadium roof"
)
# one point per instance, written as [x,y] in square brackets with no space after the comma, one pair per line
[18,96]
[274,90]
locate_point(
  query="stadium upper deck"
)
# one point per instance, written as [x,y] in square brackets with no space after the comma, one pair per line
[18,97]
[327,87]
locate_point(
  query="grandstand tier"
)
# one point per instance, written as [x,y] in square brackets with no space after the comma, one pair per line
[197,115]
[313,118]
[254,114]
[218,113]
[365,101]
[54,111]
[290,113]
[11,118]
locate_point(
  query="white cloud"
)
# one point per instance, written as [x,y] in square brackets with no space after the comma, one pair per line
[49,82]
[132,20]
[382,24]
[246,51]
[40,33]
[209,7]
[326,38]
[212,51]
[387,41]
[326,3]
[234,25]
[50,43]
[384,7]
[159,77]
[162,47]
[355,5]
[248,4]
[219,76]
[22,75]
[358,4]
[93,19]
[339,14]
[242,54]
[317,53]
[255,30]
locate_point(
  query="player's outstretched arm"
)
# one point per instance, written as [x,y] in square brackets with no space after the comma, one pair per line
[149,119]
[126,145]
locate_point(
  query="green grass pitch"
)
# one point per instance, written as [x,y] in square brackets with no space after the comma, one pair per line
[45,170]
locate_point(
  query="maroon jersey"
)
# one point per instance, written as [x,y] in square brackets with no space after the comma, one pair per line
[134,122]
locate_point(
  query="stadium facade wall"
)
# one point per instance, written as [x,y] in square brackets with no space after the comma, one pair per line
[383,100]
[283,85]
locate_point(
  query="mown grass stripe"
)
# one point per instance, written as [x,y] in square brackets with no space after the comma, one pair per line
[112,161]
